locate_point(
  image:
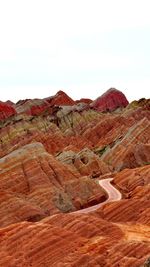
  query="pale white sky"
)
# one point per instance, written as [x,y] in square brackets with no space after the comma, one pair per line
[82,47]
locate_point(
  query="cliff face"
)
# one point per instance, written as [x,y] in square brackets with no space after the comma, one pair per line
[53,152]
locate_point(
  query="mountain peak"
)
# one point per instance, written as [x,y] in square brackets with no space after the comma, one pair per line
[110,100]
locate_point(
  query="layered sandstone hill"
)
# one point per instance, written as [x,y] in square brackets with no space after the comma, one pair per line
[110,100]
[53,154]
[34,185]
[38,106]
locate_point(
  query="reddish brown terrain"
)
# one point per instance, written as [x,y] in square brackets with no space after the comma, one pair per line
[57,156]
[110,101]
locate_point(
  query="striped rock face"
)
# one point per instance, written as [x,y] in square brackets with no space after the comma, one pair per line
[6,110]
[75,182]
[110,101]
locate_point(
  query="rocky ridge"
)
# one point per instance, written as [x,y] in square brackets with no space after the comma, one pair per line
[110,100]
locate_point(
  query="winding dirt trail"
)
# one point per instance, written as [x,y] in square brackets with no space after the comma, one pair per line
[112,192]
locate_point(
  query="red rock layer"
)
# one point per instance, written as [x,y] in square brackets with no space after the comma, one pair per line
[32,107]
[134,182]
[110,101]
[124,154]
[60,99]
[34,185]
[35,107]
[73,241]
[135,186]
[6,111]
[27,129]
[84,100]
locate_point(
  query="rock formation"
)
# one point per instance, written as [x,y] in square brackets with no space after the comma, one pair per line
[41,184]
[147,263]
[124,153]
[6,110]
[53,152]
[37,106]
[110,101]
[84,100]
[60,99]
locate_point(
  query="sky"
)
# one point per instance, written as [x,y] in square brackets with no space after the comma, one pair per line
[82,47]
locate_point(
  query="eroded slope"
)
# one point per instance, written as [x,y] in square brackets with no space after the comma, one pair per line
[53,151]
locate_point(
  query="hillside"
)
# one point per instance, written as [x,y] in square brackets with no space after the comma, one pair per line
[53,154]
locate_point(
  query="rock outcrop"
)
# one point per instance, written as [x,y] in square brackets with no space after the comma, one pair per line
[85,162]
[110,101]
[128,153]
[34,184]
[60,99]
[6,110]
[37,106]
[84,100]
[146,263]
